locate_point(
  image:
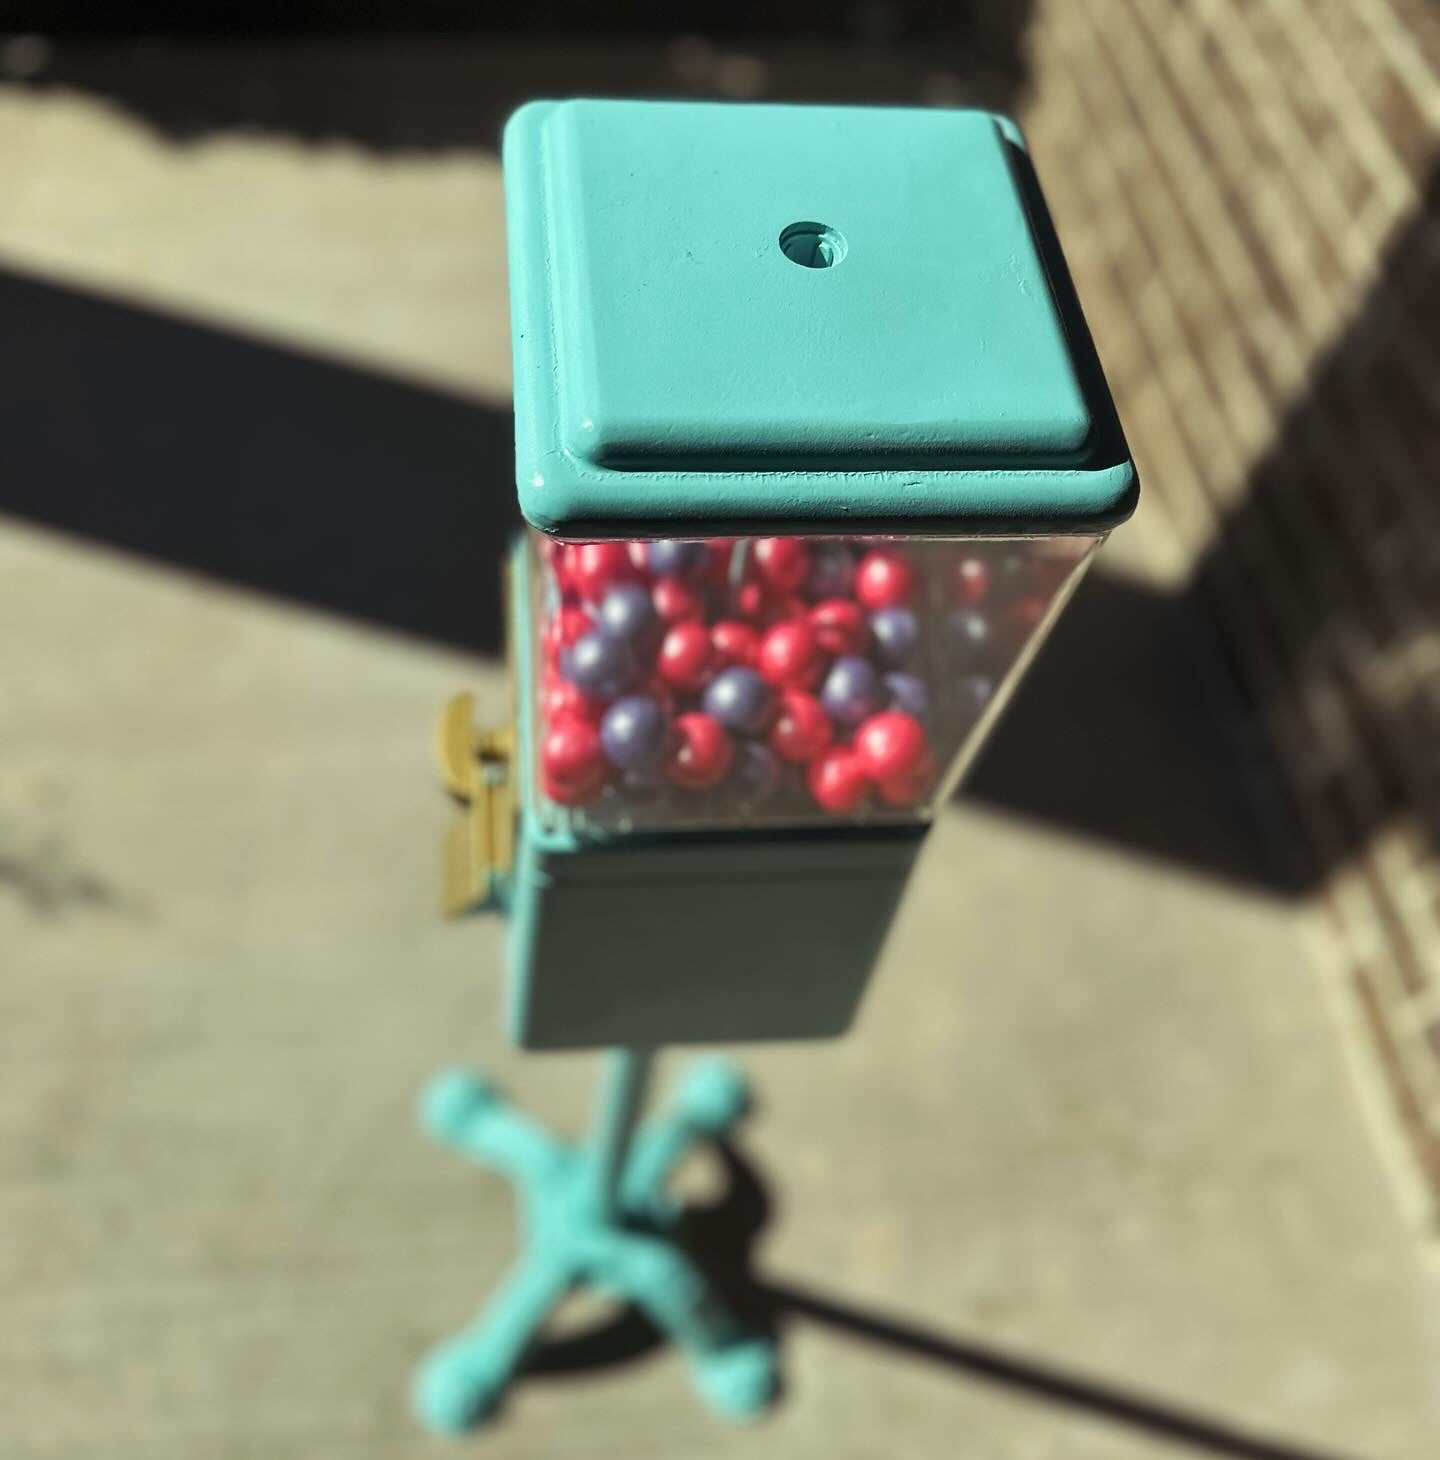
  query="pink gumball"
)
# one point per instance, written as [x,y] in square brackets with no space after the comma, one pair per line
[802,729]
[686,658]
[837,780]
[597,566]
[676,600]
[884,579]
[891,745]
[700,752]
[789,656]
[782,562]
[840,626]
[734,643]
[572,762]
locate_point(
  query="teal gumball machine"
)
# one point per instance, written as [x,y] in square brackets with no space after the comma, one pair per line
[812,444]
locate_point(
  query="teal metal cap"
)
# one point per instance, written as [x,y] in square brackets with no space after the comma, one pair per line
[747,318]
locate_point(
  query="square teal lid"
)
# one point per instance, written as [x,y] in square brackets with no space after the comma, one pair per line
[734,318]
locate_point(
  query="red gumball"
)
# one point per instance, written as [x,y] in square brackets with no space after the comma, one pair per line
[837,780]
[970,581]
[567,625]
[686,658]
[639,554]
[839,626]
[907,790]
[662,693]
[789,656]
[802,729]
[785,606]
[676,600]
[563,700]
[782,562]
[597,566]
[572,762]
[700,752]
[752,601]
[885,578]
[734,643]
[566,793]
[722,550]
[891,745]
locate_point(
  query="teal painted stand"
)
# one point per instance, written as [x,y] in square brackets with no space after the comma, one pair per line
[595,1214]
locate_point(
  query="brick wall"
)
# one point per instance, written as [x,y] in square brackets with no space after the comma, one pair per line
[1249,191]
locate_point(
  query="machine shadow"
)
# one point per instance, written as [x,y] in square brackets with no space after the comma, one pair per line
[722,1238]
[1327,573]
[1131,728]
[391,504]
[393,76]
[256,465]
[1326,579]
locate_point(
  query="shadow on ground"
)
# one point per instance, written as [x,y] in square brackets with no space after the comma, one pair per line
[723,1238]
[255,465]
[448,73]
[391,504]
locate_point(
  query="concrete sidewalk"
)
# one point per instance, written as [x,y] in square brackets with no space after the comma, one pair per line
[1088,1180]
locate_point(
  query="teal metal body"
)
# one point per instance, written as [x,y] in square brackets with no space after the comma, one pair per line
[741,320]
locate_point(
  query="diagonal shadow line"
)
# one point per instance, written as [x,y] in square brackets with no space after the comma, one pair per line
[721,1236]
[630,1336]
[1038,1381]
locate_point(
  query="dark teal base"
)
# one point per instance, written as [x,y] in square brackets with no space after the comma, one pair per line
[595,1215]
[699,940]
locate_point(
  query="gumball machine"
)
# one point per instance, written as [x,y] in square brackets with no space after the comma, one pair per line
[812,445]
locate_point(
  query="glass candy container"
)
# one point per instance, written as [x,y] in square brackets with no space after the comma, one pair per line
[776,681]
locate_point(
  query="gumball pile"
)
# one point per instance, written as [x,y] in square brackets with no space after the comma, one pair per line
[834,674]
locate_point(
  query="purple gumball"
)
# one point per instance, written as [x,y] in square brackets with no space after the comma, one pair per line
[739,699]
[973,692]
[677,559]
[908,693]
[633,733]
[852,690]
[896,632]
[832,570]
[627,612]
[600,664]
[969,633]
[755,772]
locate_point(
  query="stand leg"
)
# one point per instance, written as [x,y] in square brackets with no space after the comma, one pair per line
[596,1213]
[735,1371]
[461,1382]
[461,1110]
[711,1098]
